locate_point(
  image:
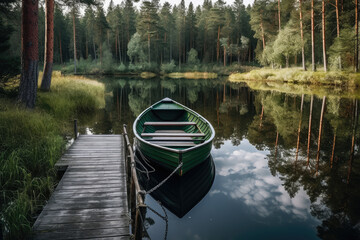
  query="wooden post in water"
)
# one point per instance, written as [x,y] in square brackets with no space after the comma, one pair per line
[140,215]
[137,206]
[75,129]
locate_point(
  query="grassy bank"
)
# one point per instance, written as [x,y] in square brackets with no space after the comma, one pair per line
[31,141]
[307,89]
[298,76]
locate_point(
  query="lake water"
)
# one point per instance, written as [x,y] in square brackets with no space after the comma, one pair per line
[274,179]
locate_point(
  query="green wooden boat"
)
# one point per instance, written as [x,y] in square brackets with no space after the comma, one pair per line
[169,133]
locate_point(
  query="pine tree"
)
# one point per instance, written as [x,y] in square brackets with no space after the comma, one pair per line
[101,26]
[148,24]
[167,27]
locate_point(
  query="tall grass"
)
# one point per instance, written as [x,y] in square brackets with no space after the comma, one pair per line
[30,144]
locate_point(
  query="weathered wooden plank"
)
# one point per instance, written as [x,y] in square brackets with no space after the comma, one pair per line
[83,225]
[91,199]
[56,219]
[81,234]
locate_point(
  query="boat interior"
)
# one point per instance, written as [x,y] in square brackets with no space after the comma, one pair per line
[170,125]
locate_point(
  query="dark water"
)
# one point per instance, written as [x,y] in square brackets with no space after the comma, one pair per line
[270,181]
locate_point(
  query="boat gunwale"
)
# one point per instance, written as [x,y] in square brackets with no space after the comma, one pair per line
[171,149]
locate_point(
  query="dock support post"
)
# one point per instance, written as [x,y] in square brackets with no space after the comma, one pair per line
[75,129]
[140,215]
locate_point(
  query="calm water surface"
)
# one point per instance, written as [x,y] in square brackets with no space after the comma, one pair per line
[275,178]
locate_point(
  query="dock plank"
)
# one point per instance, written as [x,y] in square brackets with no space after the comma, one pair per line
[90,201]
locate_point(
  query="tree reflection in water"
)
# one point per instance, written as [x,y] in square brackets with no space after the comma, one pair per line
[321,168]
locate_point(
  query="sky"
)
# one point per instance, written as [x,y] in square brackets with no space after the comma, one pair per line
[172,2]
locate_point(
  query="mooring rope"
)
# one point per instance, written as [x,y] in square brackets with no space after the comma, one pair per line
[162,182]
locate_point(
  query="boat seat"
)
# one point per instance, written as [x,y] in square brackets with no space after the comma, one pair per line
[173,134]
[174,143]
[169,123]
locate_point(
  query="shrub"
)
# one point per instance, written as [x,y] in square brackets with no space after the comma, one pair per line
[122,67]
[168,67]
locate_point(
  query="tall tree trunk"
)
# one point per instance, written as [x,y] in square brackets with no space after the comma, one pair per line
[49,45]
[29,53]
[309,132]
[218,46]
[320,131]
[120,57]
[100,53]
[299,128]
[148,43]
[74,33]
[287,61]
[60,49]
[323,35]
[94,48]
[224,56]
[302,37]
[279,15]
[356,64]
[86,48]
[116,48]
[338,26]
[262,30]
[312,37]
[179,49]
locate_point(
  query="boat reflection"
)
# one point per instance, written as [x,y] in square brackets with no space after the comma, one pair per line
[180,194]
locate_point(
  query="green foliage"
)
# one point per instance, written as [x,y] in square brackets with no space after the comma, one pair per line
[341,51]
[107,58]
[9,67]
[287,43]
[135,49]
[122,67]
[193,57]
[168,67]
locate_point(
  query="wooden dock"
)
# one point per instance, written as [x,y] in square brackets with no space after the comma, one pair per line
[91,198]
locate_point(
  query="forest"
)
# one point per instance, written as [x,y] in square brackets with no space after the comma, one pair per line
[121,37]
[41,41]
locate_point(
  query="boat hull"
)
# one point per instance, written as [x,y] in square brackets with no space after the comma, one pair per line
[188,135]
[170,160]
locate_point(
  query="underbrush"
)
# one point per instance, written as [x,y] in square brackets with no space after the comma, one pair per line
[31,141]
[94,67]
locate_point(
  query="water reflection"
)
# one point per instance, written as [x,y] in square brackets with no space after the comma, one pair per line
[179,194]
[277,174]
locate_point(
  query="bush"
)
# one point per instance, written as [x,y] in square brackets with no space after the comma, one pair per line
[168,67]
[122,68]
